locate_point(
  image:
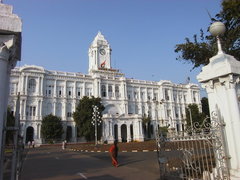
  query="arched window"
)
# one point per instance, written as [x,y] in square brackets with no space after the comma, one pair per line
[32,85]
[110,92]
[117,94]
[103,91]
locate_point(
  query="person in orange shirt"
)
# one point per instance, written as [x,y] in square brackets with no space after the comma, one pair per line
[114,153]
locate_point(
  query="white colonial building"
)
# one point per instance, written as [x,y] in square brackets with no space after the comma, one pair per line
[126,100]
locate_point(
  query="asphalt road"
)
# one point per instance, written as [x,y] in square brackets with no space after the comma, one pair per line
[57,164]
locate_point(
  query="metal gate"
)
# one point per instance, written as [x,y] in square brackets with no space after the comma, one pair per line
[197,153]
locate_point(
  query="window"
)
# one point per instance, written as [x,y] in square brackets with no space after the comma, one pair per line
[117,94]
[60,91]
[88,91]
[69,114]
[13,88]
[169,113]
[32,85]
[185,97]
[166,95]
[194,96]
[69,110]
[31,111]
[155,97]
[136,95]
[142,95]
[110,93]
[79,92]
[103,91]
[69,91]
[49,90]
[149,97]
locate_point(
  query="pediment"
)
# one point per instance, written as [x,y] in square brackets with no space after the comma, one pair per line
[32,68]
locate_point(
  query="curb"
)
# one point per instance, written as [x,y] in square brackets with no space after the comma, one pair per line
[77,150]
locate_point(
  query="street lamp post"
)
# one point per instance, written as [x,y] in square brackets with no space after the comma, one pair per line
[96,120]
[190,114]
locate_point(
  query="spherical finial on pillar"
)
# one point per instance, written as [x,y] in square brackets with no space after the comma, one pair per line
[217,29]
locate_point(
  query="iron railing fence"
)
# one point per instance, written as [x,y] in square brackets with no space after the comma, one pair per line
[195,154]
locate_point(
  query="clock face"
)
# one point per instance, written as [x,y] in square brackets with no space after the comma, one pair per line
[102,52]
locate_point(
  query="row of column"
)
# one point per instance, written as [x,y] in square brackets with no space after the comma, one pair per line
[109,131]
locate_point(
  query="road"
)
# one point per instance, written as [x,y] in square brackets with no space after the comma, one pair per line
[57,164]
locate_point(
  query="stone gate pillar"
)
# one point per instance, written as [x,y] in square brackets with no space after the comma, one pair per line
[221,79]
[10,53]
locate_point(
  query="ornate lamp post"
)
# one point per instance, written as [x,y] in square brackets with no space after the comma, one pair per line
[96,120]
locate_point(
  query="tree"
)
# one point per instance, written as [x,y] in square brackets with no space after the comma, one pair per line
[83,117]
[202,48]
[52,128]
[205,107]
[10,123]
[193,114]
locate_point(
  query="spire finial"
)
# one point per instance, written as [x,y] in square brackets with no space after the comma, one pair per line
[217,29]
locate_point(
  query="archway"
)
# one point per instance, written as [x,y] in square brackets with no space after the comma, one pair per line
[29,134]
[124,133]
[115,132]
[69,133]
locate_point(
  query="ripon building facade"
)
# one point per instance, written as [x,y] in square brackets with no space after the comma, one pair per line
[126,100]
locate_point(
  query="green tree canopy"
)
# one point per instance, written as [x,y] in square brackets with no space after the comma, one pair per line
[83,117]
[51,128]
[203,47]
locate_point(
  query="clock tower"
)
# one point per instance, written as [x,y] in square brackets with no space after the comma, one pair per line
[99,54]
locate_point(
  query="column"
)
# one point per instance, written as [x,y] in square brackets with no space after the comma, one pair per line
[65,90]
[21,109]
[40,109]
[128,133]
[110,128]
[74,133]
[99,88]
[24,109]
[42,93]
[54,108]
[119,133]
[84,89]
[75,90]
[26,86]
[107,91]
[55,89]
[38,86]
[64,110]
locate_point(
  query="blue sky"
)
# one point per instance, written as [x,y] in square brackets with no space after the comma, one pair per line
[142,34]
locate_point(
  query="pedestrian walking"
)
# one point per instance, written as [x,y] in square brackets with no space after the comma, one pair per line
[113,151]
